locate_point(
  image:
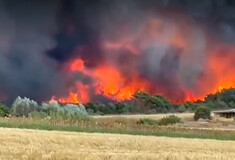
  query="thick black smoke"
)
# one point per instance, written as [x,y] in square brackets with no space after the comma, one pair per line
[25,28]
[38,37]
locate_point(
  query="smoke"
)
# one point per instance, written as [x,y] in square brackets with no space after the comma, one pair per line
[165,43]
[24,70]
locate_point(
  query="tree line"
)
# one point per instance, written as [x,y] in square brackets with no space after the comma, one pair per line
[141,103]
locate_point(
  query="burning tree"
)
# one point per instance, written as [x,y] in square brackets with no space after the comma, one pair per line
[156,103]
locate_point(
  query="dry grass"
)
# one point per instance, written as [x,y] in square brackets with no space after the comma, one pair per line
[184,116]
[45,145]
[217,123]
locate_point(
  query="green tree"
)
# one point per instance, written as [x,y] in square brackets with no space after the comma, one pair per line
[190,106]
[140,95]
[202,112]
[141,99]
[159,103]
[24,106]
[4,111]
[181,109]
[155,103]
[221,99]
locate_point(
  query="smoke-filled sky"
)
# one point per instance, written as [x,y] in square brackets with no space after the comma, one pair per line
[99,50]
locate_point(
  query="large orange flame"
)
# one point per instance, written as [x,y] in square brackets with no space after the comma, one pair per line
[111,83]
[109,80]
[223,66]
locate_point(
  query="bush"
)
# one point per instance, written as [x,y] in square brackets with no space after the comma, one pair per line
[50,107]
[72,109]
[169,120]
[90,111]
[96,108]
[147,121]
[110,108]
[24,106]
[69,109]
[4,111]
[181,109]
[68,112]
[202,112]
[191,106]
[124,108]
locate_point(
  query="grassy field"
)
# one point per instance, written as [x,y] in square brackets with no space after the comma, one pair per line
[117,126]
[50,145]
[184,116]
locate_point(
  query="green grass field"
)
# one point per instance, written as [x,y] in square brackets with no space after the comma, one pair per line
[123,126]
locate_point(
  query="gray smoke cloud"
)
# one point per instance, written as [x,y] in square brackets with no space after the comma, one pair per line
[24,70]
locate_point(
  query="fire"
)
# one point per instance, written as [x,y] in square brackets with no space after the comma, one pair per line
[109,80]
[119,78]
[77,65]
[112,84]
[78,95]
[223,67]
[72,98]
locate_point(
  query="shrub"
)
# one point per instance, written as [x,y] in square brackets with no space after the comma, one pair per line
[169,120]
[190,106]
[90,111]
[68,112]
[181,109]
[24,106]
[72,109]
[202,112]
[4,111]
[51,107]
[147,121]
[232,104]
[98,108]
[110,108]
[122,108]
